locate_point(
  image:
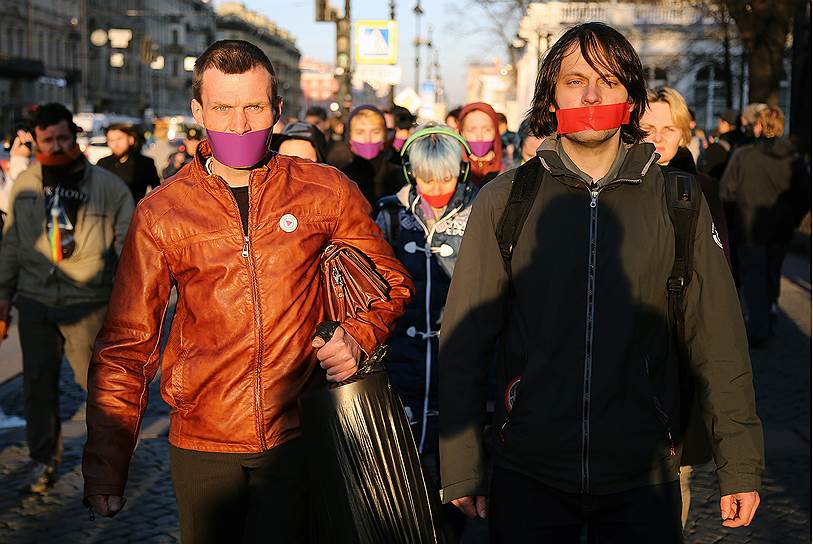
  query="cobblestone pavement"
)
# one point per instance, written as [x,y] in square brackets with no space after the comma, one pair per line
[782,375]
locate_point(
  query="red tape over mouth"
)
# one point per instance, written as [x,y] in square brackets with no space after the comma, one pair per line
[604,117]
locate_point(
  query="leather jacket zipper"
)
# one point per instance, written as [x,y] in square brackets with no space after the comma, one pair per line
[246,253]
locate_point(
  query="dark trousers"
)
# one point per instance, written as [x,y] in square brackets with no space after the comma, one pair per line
[760,273]
[231,497]
[46,334]
[523,510]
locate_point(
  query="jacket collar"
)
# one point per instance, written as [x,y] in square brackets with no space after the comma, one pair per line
[639,160]
[463,194]
[259,175]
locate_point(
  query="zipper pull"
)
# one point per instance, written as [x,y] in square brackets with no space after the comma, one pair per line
[672,450]
[245,248]
[593,199]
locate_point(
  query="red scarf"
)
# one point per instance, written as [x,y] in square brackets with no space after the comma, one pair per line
[59,159]
[481,169]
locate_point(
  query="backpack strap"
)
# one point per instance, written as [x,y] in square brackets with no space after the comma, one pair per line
[683,198]
[524,189]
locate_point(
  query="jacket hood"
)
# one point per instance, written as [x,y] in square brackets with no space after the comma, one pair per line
[639,160]
[780,148]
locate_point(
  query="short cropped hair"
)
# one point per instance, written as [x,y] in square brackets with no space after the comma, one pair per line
[772,121]
[680,112]
[231,57]
[368,115]
[52,114]
[126,128]
[602,47]
[317,111]
[436,156]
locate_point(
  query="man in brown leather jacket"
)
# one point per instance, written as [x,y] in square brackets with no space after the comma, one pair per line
[238,232]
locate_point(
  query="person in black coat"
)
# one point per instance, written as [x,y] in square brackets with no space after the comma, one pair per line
[766,194]
[375,167]
[127,162]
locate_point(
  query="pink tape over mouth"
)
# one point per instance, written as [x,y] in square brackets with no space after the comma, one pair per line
[605,117]
[239,150]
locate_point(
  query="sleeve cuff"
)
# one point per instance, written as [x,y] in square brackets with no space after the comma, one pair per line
[466,488]
[738,483]
[362,335]
[98,488]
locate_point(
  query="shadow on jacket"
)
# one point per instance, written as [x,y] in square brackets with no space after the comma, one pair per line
[597,408]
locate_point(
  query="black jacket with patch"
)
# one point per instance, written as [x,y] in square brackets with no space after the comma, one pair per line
[586,328]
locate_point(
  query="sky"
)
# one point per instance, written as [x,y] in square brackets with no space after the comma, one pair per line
[457,43]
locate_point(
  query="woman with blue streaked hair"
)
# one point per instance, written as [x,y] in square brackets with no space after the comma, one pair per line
[424,222]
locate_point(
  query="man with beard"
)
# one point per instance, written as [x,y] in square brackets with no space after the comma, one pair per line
[127,162]
[177,160]
[588,433]
[65,229]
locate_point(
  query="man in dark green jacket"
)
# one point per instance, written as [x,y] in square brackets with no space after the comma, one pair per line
[587,431]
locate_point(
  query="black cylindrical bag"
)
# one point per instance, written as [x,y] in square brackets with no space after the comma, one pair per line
[367,482]
[364,466]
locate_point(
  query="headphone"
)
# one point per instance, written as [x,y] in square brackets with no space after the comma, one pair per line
[446,131]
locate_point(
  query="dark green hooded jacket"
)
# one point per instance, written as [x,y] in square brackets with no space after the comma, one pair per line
[597,409]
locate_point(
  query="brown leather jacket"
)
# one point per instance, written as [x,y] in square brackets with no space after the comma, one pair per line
[238,355]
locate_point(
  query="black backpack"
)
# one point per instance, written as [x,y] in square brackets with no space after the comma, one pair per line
[684,197]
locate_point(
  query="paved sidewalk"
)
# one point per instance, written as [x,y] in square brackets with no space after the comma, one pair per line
[782,374]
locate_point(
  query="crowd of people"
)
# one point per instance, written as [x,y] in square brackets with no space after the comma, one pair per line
[546,303]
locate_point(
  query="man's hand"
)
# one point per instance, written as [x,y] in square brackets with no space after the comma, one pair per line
[473,506]
[18,147]
[107,505]
[339,357]
[738,510]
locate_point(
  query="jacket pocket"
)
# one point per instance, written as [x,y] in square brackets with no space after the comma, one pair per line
[660,412]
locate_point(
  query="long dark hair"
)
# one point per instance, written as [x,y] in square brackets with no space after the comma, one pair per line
[604,48]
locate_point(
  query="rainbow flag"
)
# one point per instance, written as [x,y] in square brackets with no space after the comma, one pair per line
[54,236]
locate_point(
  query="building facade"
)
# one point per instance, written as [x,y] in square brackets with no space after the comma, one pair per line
[113,61]
[140,54]
[493,84]
[235,22]
[319,86]
[176,33]
[40,56]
